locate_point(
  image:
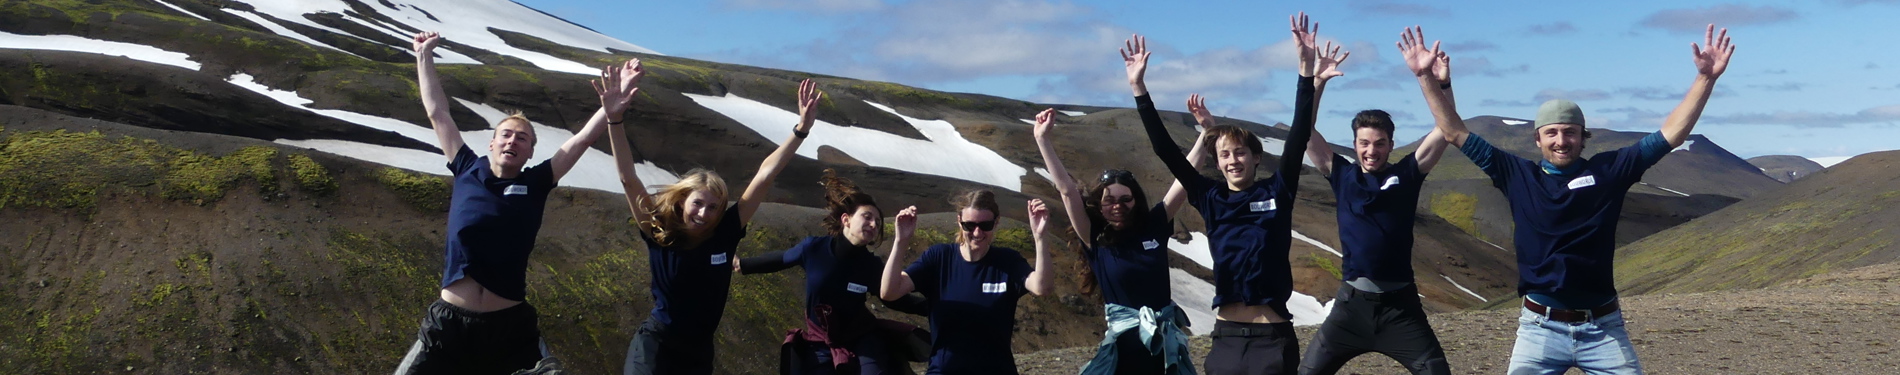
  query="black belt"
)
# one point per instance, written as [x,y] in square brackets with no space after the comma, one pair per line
[1407,293]
[1257,330]
[1572,316]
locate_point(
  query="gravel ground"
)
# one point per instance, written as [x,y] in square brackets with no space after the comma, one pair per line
[1839,323]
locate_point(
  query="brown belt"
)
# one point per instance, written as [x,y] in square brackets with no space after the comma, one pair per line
[1571,316]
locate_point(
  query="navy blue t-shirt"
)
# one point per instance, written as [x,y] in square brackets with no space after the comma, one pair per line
[1249,231]
[1566,222]
[493,222]
[836,275]
[690,285]
[973,307]
[1376,212]
[1133,270]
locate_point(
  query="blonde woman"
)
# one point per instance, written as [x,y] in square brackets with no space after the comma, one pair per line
[691,235]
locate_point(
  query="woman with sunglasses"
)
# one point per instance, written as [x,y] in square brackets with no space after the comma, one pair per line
[1249,223]
[972,286]
[1123,242]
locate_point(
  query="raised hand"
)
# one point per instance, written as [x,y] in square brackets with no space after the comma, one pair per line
[906,222]
[1045,122]
[1038,216]
[1442,69]
[425,42]
[1306,35]
[1197,105]
[1135,58]
[1412,48]
[1711,57]
[1327,62]
[617,86]
[808,97]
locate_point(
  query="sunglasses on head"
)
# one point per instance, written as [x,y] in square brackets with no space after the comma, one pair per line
[972,226]
[1116,175]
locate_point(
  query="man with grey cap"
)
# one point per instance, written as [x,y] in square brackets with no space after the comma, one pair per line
[1565,211]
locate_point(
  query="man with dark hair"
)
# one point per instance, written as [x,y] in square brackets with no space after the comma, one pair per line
[1565,210]
[1377,308]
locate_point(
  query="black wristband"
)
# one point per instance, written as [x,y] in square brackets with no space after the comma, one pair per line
[799,134]
[1445,86]
[622,121]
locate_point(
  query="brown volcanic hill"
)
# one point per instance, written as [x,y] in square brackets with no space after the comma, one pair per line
[1785,168]
[1839,218]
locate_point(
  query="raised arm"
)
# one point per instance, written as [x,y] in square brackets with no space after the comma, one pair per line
[896,283]
[1433,146]
[1197,156]
[1042,281]
[1313,63]
[616,87]
[1326,66]
[1433,69]
[1072,203]
[755,193]
[1711,59]
[1135,57]
[623,162]
[433,99]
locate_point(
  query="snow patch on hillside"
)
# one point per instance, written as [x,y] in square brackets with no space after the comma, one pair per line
[1462,287]
[1193,296]
[1306,309]
[72,43]
[594,170]
[469,21]
[1316,243]
[944,152]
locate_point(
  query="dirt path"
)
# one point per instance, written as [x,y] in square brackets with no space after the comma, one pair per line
[1839,323]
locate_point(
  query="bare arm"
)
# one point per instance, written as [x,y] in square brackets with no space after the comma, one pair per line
[1433,146]
[434,101]
[1197,156]
[1072,203]
[1444,112]
[1317,150]
[1042,281]
[896,283]
[616,88]
[1711,60]
[629,179]
[761,185]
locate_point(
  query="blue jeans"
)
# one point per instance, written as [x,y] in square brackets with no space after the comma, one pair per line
[1600,346]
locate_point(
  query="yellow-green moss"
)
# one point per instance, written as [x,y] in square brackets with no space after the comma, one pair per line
[429,193]
[311,176]
[1458,208]
[202,178]
[1324,263]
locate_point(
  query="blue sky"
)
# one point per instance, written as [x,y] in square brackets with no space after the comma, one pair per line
[1811,78]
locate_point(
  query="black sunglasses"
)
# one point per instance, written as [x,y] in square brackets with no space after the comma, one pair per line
[972,226]
[1117,175]
[1122,200]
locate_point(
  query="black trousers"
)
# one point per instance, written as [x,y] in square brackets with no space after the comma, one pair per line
[1132,358]
[1253,349]
[1391,323]
[454,340]
[655,351]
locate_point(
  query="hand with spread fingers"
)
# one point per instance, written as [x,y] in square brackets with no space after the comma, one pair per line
[1711,57]
[617,86]
[1135,58]
[1197,106]
[808,98]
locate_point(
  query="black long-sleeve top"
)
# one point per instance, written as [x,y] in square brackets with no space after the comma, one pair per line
[1249,230]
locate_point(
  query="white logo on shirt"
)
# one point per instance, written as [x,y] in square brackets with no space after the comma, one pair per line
[1150,244]
[1583,182]
[719,258]
[855,288]
[994,288]
[1262,206]
[516,190]
[1389,181]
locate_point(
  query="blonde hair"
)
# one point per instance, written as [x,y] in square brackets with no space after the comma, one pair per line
[666,223]
[515,115]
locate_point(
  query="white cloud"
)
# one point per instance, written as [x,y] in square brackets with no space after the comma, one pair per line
[1697,20]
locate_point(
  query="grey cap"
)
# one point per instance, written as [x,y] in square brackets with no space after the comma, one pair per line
[1559,111]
